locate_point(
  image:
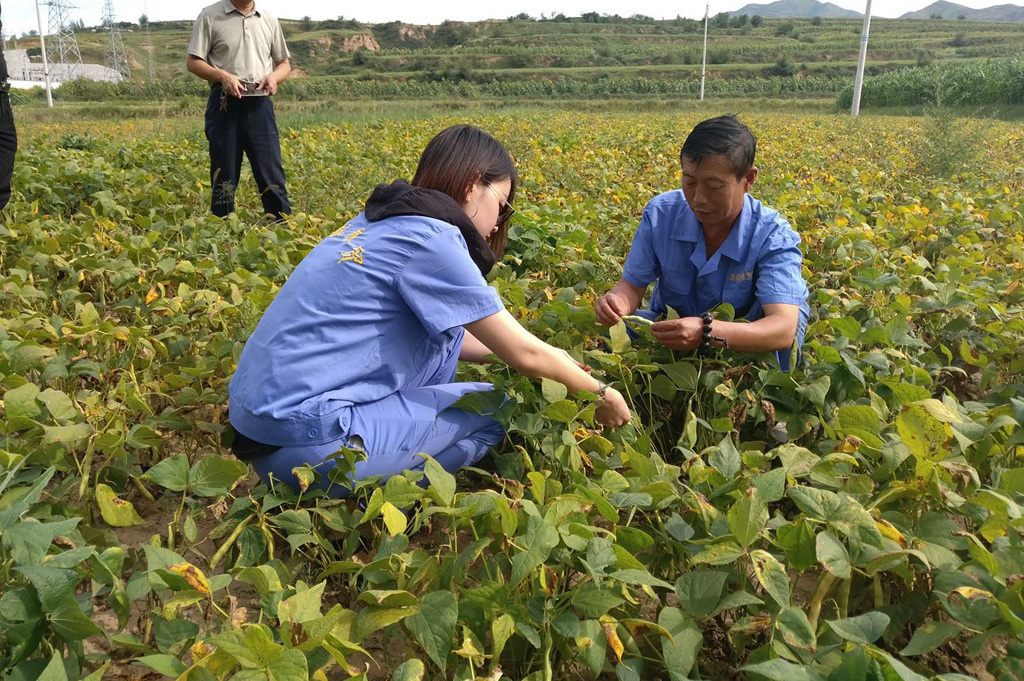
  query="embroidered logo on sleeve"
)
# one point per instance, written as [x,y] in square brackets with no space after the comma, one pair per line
[356,254]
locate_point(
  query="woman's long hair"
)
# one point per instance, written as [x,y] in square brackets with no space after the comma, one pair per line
[460,156]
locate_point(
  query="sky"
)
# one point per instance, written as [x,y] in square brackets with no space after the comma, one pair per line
[20,16]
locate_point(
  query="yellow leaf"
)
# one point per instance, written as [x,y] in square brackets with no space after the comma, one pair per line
[193,575]
[394,519]
[613,639]
[152,295]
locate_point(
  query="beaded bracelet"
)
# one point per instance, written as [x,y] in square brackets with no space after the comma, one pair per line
[707,337]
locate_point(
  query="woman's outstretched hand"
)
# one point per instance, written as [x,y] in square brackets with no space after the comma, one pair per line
[613,410]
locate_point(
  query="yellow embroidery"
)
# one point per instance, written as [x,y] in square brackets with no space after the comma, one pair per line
[341,230]
[355,255]
[742,276]
[354,234]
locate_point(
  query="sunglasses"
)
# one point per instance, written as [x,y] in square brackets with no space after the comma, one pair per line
[506,211]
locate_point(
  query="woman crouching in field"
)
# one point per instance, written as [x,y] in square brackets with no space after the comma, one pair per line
[360,346]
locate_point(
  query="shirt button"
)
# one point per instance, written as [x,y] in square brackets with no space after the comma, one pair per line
[313,432]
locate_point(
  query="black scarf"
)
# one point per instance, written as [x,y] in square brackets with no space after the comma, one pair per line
[402,198]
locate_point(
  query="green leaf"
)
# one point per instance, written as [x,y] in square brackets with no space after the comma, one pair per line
[747,517]
[304,606]
[833,555]
[60,406]
[27,542]
[410,670]
[930,636]
[902,671]
[924,434]
[780,670]
[683,374]
[66,435]
[562,411]
[20,406]
[866,628]
[619,337]
[798,541]
[553,391]
[171,473]
[502,629]
[53,585]
[771,485]
[639,578]
[54,670]
[441,481]
[70,622]
[116,512]
[772,576]
[700,590]
[433,626]
[680,651]
[538,541]
[168,665]
[817,391]
[721,553]
[796,629]
[213,476]
[394,519]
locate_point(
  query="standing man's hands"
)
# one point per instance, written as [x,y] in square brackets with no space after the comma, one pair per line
[269,83]
[232,86]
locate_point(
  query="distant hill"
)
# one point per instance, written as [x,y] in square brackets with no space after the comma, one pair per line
[798,9]
[951,10]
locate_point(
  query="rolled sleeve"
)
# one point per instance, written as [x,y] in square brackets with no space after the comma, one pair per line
[642,263]
[780,271]
[443,287]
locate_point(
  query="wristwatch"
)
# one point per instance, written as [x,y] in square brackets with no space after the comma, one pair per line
[602,389]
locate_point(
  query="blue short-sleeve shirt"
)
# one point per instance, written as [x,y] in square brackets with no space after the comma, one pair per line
[360,316]
[759,263]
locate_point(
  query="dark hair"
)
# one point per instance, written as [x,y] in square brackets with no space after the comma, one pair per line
[460,156]
[722,135]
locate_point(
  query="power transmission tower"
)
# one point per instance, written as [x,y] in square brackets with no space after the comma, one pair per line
[65,51]
[117,56]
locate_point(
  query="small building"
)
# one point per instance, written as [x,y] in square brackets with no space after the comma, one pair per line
[25,73]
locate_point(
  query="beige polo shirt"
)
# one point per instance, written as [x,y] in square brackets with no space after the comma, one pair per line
[247,47]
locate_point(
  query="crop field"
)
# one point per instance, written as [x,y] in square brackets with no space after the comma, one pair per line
[860,518]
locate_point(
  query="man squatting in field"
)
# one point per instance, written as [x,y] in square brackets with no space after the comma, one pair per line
[8,135]
[713,243]
[241,52]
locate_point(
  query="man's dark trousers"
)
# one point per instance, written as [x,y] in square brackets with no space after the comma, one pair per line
[8,147]
[236,125]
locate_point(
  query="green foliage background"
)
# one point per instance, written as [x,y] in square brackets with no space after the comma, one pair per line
[844,521]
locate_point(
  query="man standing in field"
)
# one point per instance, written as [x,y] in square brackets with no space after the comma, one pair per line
[241,52]
[8,135]
[713,243]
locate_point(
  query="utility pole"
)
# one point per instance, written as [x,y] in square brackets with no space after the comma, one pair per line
[149,42]
[67,44]
[704,62]
[117,57]
[46,64]
[858,81]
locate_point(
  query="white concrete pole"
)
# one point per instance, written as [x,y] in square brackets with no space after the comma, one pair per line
[704,63]
[42,48]
[858,82]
